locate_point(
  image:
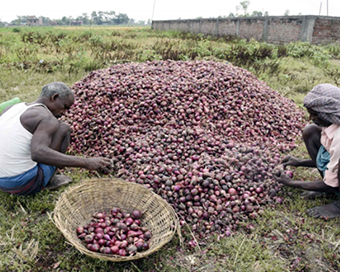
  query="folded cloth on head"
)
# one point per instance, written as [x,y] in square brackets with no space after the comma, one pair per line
[325,100]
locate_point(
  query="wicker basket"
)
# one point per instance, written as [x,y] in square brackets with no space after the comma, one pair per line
[75,207]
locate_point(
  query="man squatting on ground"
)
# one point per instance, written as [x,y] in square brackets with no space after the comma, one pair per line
[322,140]
[34,142]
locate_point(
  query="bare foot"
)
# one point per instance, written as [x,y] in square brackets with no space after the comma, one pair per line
[57,181]
[328,211]
[313,194]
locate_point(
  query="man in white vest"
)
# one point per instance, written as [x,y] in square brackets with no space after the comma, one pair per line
[34,142]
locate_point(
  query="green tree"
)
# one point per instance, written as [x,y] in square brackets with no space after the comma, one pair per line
[257,13]
[65,20]
[20,20]
[94,17]
[45,20]
[84,18]
[286,12]
[121,19]
[244,6]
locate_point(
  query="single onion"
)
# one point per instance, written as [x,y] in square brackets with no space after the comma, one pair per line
[114,249]
[136,214]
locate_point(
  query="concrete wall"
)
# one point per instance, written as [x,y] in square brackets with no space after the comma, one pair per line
[272,29]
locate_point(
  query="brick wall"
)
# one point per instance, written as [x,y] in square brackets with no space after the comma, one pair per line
[326,31]
[273,29]
[227,27]
[282,30]
[251,28]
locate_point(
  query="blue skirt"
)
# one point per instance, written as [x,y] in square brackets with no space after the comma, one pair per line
[30,182]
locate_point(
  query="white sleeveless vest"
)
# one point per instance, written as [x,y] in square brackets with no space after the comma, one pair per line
[15,142]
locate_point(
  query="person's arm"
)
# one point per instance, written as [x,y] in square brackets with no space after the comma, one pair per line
[42,153]
[315,185]
[292,161]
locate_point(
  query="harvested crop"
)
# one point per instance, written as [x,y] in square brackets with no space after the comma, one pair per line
[109,233]
[205,136]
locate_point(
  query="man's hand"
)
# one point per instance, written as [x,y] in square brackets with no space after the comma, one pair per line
[100,164]
[290,160]
[282,178]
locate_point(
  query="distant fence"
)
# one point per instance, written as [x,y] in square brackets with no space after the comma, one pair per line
[272,29]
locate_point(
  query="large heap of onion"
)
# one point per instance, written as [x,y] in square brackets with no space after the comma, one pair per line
[206,136]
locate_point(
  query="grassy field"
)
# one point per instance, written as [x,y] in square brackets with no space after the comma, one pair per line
[283,239]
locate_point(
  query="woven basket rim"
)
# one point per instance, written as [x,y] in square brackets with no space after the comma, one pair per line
[114,182]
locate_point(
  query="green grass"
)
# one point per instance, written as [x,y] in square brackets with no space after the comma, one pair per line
[283,238]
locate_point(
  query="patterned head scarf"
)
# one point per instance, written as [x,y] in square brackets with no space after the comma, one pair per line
[325,100]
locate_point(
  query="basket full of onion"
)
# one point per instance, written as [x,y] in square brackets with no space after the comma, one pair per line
[93,198]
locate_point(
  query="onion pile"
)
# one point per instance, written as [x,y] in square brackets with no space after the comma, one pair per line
[117,233]
[205,136]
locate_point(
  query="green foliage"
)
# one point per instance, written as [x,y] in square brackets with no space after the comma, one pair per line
[79,50]
[317,54]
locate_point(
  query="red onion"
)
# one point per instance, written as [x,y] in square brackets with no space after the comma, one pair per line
[101,242]
[88,238]
[123,244]
[122,252]
[99,235]
[128,221]
[289,173]
[98,230]
[82,235]
[136,214]
[139,245]
[80,230]
[131,249]
[107,250]
[95,247]
[114,249]
[147,235]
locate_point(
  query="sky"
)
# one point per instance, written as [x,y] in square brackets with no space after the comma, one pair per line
[163,9]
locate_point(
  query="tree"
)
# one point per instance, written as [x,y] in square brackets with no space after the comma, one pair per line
[287,12]
[244,5]
[65,20]
[94,17]
[257,13]
[111,17]
[20,20]
[45,20]
[84,18]
[121,19]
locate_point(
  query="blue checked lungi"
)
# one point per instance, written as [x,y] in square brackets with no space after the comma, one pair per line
[30,182]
